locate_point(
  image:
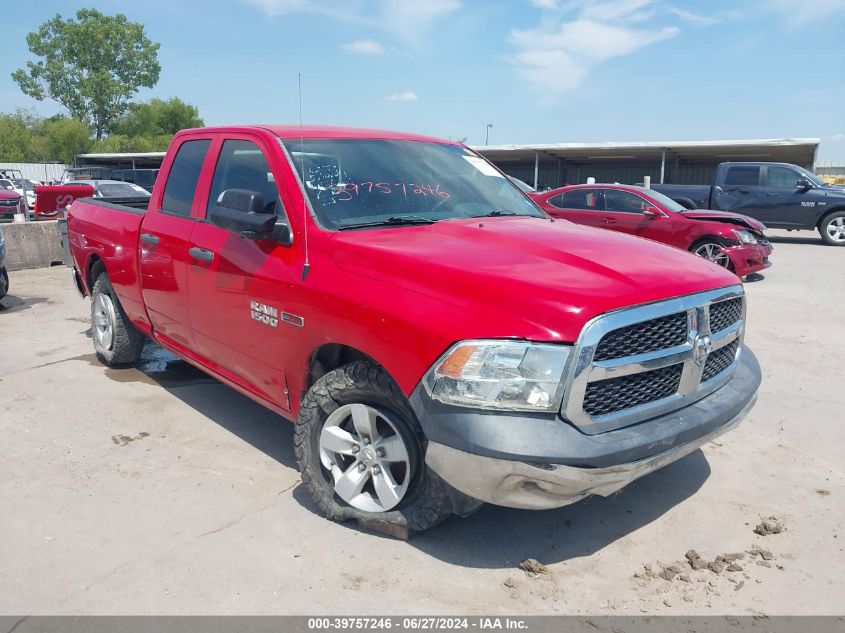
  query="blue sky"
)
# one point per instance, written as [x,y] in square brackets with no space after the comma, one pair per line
[538,70]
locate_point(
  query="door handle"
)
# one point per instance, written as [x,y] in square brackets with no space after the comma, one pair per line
[608,221]
[202,254]
[772,195]
[149,238]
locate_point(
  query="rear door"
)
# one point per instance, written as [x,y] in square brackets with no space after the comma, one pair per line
[741,190]
[165,242]
[784,204]
[624,212]
[241,288]
[582,206]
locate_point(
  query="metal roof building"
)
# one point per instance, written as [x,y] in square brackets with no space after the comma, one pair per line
[556,164]
[683,162]
[122,160]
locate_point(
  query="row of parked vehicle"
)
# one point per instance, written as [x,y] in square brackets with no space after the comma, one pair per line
[42,201]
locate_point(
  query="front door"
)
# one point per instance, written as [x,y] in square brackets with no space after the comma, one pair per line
[624,213]
[242,288]
[165,241]
[784,204]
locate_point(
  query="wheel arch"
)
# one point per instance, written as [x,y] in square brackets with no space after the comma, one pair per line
[93,267]
[707,237]
[329,356]
[827,213]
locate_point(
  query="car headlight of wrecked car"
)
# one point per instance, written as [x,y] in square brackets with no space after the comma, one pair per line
[495,374]
[744,237]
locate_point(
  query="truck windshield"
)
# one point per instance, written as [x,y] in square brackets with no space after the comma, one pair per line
[368,182]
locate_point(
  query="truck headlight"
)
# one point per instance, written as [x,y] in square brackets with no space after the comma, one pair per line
[493,374]
[744,237]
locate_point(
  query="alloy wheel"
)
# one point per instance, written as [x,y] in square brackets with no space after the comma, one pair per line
[365,454]
[715,253]
[835,229]
[104,320]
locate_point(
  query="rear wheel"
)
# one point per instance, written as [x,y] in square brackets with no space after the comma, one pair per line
[4,282]
[832,229]
[116,341]
[360,452]
[713,249]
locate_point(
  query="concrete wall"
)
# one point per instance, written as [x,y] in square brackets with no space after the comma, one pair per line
[32,244]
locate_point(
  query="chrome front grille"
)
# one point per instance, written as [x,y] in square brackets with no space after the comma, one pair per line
[614,394]
[725,314]
[719,361]
[651,335]
[635,364]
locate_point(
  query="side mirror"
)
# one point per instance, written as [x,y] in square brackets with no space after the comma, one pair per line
[651,212]
[802,184]
[242,211]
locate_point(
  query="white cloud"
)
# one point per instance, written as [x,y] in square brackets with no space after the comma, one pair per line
[573,37]
[364,47]
[809,11]
[837,137]
[408,21]
[693,18]
[407,95]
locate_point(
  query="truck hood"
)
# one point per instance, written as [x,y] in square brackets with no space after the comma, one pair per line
[525,277]
[725,216]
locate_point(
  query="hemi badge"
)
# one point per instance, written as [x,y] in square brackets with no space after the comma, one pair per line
[293,319]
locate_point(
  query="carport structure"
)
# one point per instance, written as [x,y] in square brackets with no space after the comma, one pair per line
[679,162]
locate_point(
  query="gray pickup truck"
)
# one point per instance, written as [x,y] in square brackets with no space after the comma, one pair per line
[780,195]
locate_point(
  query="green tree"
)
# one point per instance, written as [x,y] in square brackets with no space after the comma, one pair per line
[124,143]
[61,139]
[16,136]
[92,65]
[157,117]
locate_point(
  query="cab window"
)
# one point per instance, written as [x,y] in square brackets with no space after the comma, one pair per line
[782,177]
[242,165]
[743,176]
[184,174]
[586,199]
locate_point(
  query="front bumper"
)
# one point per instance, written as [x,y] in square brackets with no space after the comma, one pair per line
[541,461]
[749,258]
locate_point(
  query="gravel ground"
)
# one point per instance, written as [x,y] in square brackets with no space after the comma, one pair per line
[157,490]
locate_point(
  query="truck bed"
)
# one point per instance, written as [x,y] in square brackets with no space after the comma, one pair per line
[108,230]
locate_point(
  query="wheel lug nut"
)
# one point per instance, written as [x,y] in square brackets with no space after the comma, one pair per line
[355,448]
[366,440]
[376,470]
[380,452]
[361,467]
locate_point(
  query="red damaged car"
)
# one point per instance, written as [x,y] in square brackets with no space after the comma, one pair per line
[731,240]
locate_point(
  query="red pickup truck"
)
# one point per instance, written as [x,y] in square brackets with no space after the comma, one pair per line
[438,340]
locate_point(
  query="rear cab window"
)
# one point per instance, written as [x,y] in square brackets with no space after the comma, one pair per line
[743,176]
[184,174]
[580,199]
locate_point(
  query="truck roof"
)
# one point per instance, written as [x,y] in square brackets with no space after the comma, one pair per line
[326,131]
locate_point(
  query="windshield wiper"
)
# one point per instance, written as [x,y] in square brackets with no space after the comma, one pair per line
[394,220]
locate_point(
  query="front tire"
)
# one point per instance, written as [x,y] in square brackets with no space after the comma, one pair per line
[832,229]
[116,341]
[4,282]
[360,452]
[713,249]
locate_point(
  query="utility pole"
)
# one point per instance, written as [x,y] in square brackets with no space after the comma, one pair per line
[487,134]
